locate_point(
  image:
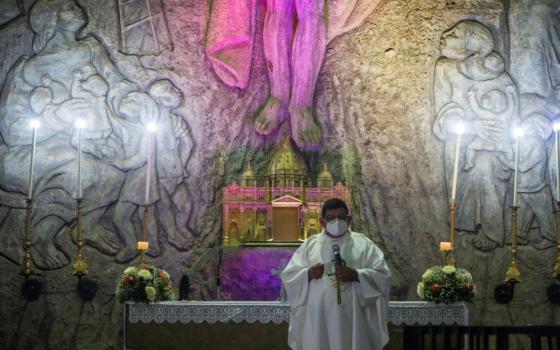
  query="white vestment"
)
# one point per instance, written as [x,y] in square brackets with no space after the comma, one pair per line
[316,321]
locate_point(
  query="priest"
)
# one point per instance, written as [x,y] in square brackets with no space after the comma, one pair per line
[337,284]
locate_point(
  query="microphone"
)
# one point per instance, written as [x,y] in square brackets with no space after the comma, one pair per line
[337,257]
[337,262]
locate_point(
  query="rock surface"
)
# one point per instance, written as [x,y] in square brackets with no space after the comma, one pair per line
[374,98]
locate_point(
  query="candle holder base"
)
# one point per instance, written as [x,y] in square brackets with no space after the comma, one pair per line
[87,289]
[513,275]
[448,257]
[503,293]
[80,266]
[553,292]
[31,288]
[141,254]
[27,264]
[556,270]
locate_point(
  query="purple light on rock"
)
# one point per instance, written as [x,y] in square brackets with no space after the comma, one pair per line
[253,273]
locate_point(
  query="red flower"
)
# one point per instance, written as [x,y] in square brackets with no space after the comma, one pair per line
[128,279]
[162,275]
[436,288]
[469,286]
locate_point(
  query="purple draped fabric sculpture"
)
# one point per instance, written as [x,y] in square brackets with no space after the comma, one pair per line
[294,57]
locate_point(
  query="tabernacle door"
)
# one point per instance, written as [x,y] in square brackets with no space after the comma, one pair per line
[285,219]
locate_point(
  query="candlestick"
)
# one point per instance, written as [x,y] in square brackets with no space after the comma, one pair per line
[27,262]
[556,127]
[143,245]
[79,125]
[80,163]
[151,127]
[517,133]
[459,130]
[34,125]
[452,207]
[80,266]
[513,275]
[556,269]
[142,248]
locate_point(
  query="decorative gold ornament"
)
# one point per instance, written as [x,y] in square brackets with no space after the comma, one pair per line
[556,270]
[27,263]
[513,275]
[450,255]
[325,179]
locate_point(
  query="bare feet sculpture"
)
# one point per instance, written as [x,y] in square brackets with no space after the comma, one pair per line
[294,57]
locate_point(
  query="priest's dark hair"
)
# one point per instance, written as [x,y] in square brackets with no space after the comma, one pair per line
[333,203]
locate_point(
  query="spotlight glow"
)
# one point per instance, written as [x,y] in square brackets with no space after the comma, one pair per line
[460,128]
[151,127]
[80,124]
[518,132]
[35,123]
[556,126]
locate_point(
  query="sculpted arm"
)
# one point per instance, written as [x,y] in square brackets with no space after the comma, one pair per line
[118,85]
[15,113]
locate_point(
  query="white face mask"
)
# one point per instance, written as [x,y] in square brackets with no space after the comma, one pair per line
[337,227]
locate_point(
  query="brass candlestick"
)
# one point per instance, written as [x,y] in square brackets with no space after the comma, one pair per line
[556,271]
[513,275]
[448,258]
[31,287]
[450,255]
[80,265]
[141,252]
[27,263]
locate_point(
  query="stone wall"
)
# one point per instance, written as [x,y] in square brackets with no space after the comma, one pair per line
[383,106]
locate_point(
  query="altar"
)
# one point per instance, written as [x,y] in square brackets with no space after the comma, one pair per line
[252,325]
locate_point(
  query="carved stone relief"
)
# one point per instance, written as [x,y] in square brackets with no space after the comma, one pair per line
[296,34]
[535,45]
[9,9]
[535,65]
[66,79]
[143,27]
[471,86]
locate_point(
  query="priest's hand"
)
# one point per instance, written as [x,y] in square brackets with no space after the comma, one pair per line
[346,274]
[315,271]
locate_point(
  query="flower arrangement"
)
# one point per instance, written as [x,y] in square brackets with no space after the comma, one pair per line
[446,284]
[144,284]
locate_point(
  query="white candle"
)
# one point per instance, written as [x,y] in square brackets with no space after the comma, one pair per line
[517,133]
[34,124]
[79,125]
[459,130]
[557,130]
[79,163]
[151,127]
